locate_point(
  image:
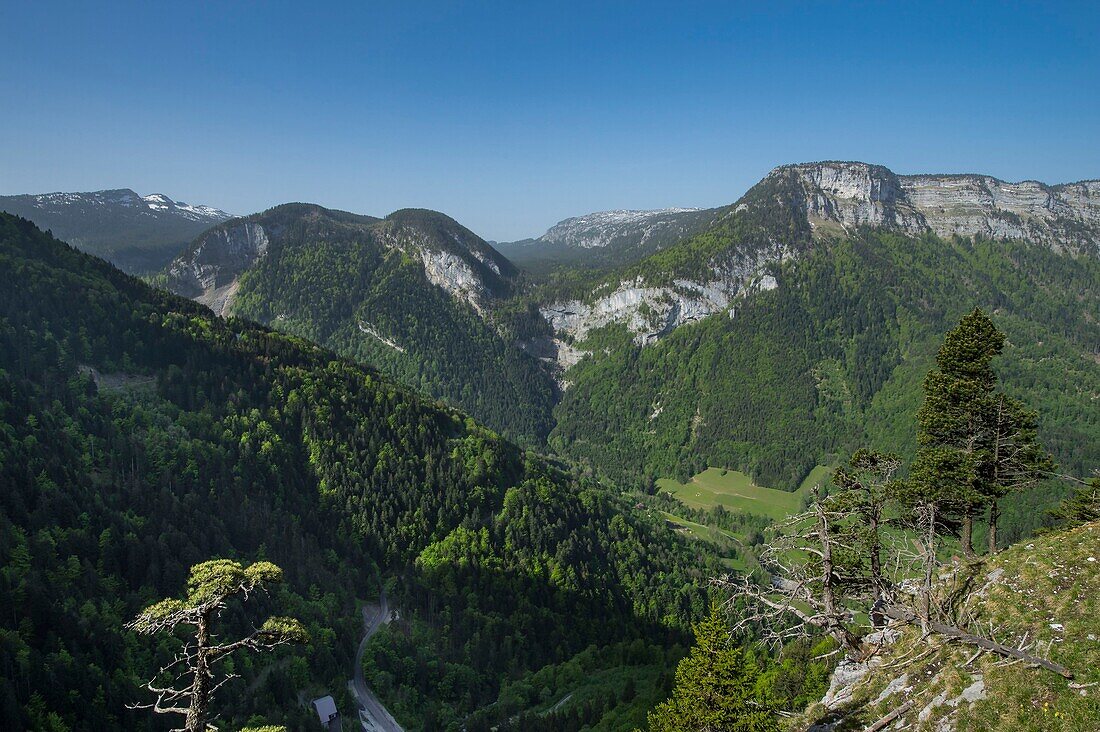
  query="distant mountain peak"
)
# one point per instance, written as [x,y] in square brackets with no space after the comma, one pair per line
[134,232]
[453,257]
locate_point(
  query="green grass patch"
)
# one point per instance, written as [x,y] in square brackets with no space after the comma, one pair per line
[737,491]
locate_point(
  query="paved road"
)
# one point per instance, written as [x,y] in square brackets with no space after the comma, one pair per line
[372,714]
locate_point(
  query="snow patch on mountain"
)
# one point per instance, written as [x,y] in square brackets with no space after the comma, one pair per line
[154,204]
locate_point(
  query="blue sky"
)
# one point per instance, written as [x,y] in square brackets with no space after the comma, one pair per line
[509,116]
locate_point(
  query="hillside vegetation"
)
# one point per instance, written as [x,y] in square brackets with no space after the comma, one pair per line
[1045,592]
[833,358]
[140,435]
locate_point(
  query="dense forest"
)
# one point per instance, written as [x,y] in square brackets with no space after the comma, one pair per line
[357,285]
[833,358]
[140,435]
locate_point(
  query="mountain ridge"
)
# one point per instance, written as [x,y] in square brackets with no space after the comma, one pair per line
[140,234]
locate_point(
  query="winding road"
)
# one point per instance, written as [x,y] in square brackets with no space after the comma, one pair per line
[372,715]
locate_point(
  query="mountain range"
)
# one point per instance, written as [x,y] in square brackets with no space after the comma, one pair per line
[649,344]
[138,234]
[141,434]
[804,308]
[607,238]
[367,399]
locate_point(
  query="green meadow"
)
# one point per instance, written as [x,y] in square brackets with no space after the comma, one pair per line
[736,491]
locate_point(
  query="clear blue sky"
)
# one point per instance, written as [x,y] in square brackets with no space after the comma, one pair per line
[512,115]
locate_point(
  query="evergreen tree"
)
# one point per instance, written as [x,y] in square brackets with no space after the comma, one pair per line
[975,445]
[715,688]
[1081,506]
[952,422]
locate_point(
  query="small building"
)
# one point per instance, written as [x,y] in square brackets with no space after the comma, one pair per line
[325,707]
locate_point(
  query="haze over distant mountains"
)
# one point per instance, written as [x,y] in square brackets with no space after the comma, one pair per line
[136,233]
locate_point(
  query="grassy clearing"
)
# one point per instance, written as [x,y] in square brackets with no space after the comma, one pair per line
[737,491]
[729,544]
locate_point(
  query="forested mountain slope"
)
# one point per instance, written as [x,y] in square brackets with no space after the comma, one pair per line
[416,295]
[780,338]
[138,234]
[139,435]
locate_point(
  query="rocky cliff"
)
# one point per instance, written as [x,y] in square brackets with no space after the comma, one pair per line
[779,218]
[453,257]
[1064,217]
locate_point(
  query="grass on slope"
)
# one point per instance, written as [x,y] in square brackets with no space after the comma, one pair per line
[728,544]
[1047,591]
[737,491]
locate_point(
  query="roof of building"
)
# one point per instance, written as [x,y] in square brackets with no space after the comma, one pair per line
[325,706]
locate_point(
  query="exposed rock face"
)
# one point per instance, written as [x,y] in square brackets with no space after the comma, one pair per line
[832,197]
[855,194]
[602,228]
[1064,217]
[454,275]
[651,312]
[453,257]
[209,271]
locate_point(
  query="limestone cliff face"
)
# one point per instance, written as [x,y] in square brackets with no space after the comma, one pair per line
[831,198]
[1063,217]
[209,270]
[652,311]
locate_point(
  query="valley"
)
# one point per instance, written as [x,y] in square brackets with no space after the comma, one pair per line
[599,434]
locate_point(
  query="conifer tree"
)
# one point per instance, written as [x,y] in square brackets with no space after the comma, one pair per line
[209,588]
[715,687]
[953,420]
[974,444]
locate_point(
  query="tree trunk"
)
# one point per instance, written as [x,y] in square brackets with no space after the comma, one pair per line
[200,686]
[929,567]
[876,559]
[828,596]
[906,616]
[967,538]
[994,514]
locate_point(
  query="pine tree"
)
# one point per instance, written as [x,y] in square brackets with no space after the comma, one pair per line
[715,688]
[953,420]
[975,444]
[209,588]
[1081,506]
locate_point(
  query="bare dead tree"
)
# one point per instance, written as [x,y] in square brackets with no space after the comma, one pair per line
[807,580]
[865,486]
[210,586]
[818,573]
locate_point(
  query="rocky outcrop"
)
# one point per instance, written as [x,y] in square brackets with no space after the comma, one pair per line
[209,270]
[652,311]
[1063,217]
[854,194]
[602,228]
[455,275]
[454,258]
